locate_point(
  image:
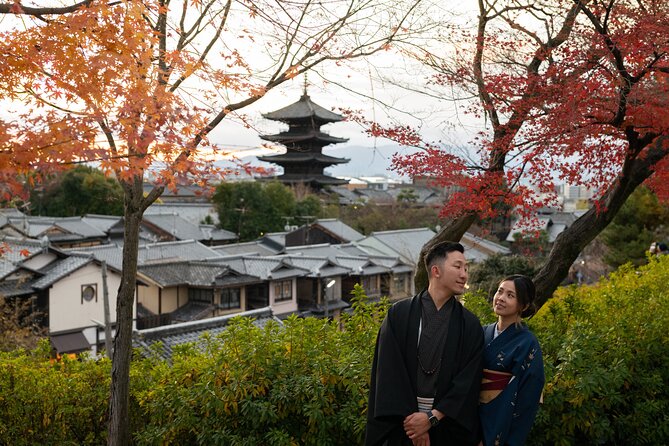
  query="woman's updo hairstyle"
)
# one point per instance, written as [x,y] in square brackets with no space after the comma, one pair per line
[525,293]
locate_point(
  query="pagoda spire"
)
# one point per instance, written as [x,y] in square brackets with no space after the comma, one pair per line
[303,162]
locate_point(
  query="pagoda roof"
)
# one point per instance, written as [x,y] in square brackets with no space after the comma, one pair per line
[303,157]
[311,134]
[324,180]
[304,108]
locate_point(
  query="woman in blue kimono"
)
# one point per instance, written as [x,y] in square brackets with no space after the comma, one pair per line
[513,375]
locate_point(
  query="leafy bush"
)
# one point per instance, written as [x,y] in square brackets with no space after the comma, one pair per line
[305,382]
[606,354]
[52,402]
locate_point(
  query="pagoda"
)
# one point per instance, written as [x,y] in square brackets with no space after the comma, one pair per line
[303,162]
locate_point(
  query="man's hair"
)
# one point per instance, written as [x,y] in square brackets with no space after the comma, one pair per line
[439,252]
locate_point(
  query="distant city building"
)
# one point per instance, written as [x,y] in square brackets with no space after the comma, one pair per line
[304,162]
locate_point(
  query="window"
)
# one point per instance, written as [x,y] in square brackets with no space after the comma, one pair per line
[400,283]
[370,284]
[205,295]
[283,290]
[230,298]
[89,292]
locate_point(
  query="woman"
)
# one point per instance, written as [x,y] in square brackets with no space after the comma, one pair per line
[513,375]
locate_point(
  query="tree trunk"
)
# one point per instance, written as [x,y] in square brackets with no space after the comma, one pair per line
[119,426]
[575,238]
[452,231]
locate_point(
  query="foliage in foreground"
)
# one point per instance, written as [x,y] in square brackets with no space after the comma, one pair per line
[606,354]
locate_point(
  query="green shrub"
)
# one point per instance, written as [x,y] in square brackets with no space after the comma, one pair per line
[52,403]
[305,382]
[606,352]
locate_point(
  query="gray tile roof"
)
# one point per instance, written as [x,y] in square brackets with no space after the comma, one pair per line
[60,268]
[407,243]
[191,332]
[71,227]
[248,248]
[303,108]
[213,233]
[318,266]
[17,250]
[340,229]
[13,288]
[168,274]
[269,268]
[101,222]
[111,253]
[191,212]
[173,224]
[150,253]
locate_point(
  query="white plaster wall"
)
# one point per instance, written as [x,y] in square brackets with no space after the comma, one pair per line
[66,311]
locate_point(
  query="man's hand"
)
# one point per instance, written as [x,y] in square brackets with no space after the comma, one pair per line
[416,424]
[423,440]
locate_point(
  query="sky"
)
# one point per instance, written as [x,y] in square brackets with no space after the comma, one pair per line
[355,85]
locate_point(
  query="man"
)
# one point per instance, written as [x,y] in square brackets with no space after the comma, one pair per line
[427,371]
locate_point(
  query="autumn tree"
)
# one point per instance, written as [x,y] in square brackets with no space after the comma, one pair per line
[572,91]
[139,86]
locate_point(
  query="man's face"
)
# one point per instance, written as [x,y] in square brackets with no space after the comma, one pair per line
[451,274]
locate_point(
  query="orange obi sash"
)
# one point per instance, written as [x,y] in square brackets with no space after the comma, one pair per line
[492,384]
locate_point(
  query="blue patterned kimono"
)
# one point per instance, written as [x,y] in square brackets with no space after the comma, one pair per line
[508,418]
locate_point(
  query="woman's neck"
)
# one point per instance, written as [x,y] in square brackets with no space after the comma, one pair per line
[504,322]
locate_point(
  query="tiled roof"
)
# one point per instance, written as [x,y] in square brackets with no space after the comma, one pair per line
[182,250]
[340,229]
[213,233]
[407,243]
[12,288]
[101,222]
[60,268]
[150,253]
[183,273]
[248,248]
[268,268]
[192,212]
[67,228]
[192,311]
[177,226]
[275,240]
[318,266]
[302,109]
[189,332]
[16,248]
[112,253]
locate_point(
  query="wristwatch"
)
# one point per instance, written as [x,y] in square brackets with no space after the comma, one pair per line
[433,419]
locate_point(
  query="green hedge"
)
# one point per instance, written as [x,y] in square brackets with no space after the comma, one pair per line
[306,382]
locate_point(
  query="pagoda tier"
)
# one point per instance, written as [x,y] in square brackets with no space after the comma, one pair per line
[304,161]
[304,157]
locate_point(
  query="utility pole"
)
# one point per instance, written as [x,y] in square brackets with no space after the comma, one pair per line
[105,302]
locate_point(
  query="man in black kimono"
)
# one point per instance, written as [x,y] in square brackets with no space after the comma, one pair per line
[427,370]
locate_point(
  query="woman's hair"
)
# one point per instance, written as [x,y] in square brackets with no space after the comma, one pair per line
[525,292]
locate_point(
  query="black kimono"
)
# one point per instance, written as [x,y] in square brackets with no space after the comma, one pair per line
[392,395]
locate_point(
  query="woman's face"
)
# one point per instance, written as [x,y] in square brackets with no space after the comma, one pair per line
[505,302]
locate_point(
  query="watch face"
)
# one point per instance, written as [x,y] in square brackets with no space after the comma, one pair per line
[433,420]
